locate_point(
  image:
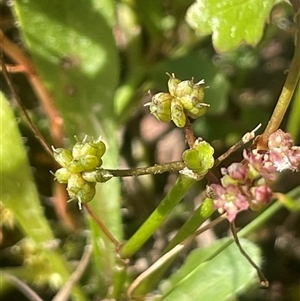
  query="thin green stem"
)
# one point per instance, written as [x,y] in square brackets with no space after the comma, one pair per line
[155,169]
[102,175]
[199,216]
[159,215]
[286,93]
[246,138]
[293,124]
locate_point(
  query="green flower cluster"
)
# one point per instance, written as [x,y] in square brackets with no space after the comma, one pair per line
[185,99]
[200,157]
[85,157]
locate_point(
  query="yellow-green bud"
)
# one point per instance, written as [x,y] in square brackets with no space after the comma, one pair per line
[173,83]
[177,113]
[80,189]
[62,156]
[77,149]
[185,87]
[197,111]
[189,101]
[84,163]
[160,106]
[199,158]
[95,148]
[99,175]
[62,175]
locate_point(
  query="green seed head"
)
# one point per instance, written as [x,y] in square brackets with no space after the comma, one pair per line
[62,175]
[177,113]
[84,163]
[173,83]
[95,148]
[80,189]
[185,87]
[197,111]
[160,106]
[77,149]
[99,175]
[62,156]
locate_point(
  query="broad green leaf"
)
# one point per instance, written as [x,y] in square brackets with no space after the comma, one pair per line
[207,276]
[19,194]
[230,21]
[73,48]
[74,51]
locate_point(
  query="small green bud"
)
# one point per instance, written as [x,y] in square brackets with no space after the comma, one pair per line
[80,189]
[177,113]
[197,111]
[185,87]
[77,149]
[192,99]
[84,163]
[199,158]
[227,180]
[62,156]
[160,106]
[173,83]
[62,175]
[95,148]
[189,101]
[99,175]
[191,158]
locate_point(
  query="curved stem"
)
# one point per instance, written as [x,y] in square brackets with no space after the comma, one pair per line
[21,58]
[263,280]
[286,93]
[102,226]
[33,127]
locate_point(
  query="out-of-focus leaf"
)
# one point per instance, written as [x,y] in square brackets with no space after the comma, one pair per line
[151,16]
[74,51]
[221,276]
[19,194]
[73,48]
[230,21]
[199,66]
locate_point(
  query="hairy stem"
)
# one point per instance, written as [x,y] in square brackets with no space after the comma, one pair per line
[155,169]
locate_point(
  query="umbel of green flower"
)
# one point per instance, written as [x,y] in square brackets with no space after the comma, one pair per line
[185,99]
[84,158]
[200,157]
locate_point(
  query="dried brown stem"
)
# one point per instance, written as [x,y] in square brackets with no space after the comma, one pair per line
[33,127]
[189,134]
[263,280]
[22,59]
[101,225]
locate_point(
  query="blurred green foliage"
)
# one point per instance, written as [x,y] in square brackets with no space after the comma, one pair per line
[99,59]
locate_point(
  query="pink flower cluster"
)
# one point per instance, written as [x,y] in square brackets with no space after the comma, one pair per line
[245,185]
